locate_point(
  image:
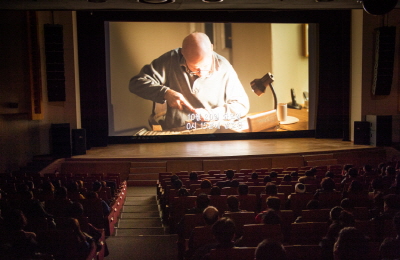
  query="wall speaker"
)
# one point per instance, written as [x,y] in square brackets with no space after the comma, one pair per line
[60,135]
[78,141]
[361,132]
[54,51]
[385,42]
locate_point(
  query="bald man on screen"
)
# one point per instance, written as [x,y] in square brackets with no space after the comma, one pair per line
[194,81]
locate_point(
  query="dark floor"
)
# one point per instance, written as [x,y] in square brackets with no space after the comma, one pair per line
[140,233]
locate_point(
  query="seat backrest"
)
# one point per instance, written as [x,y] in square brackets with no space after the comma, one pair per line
[315,215]
[303,252]
[190,222]
[241,219]
[298,201]
[253,234]
[235,253]
[329,199]
[308,233]
[248,202]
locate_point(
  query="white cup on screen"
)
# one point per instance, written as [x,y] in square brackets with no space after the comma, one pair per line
[282,112]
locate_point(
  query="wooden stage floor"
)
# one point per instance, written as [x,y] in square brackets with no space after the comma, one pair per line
[213,149]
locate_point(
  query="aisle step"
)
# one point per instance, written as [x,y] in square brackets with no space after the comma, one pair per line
[141,231]
[139,222]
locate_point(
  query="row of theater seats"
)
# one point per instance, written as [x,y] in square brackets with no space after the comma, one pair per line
[305,234]
[56,241]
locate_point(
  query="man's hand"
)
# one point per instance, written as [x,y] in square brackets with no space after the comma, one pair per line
[177,100]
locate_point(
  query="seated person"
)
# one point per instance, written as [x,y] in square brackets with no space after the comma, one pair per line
[309,178]
[230,175]
[390,247]
[192,79]
[224,233]
[205,187]
[272,203]
[233,204]
[351,245]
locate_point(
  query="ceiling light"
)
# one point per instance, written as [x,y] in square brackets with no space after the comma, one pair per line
[156,1]
[213,1]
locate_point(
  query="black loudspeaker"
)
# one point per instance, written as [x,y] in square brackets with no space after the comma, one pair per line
[361,132]
[78,141]
[381,130]
[385,42]
[54,51]
[61,140]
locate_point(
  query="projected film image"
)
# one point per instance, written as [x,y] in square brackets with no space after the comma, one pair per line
[205,78]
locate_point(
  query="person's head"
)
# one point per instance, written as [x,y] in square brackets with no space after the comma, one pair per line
[350,245]
[75,210]
[267,179]
[346,204]
[287,178]
[391,202]
[353,172]
[174,177]
[97,186]
[328,184]
[233,203]
[48,186]
[270,217]
[243,189]
[177,184]
[72,186]
[182,192]
[273,174]
[210,215]
[390,171]
[313,204]
[335,213]
[330,174]
[396,223]
[309,173]
[377,184]
[224,230]
[273,203]
[270,250]
[26,195]
[215,190]
[254,176]
[205,184]
[193,176]
[333,231]
[389,250]
[347,167]
[202,201]
[197,50]
[91,195]
[14,220]
[230,174]
[271,189]
[294,174]
[61,193]
[300,188]
[356,186]
[367,168]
